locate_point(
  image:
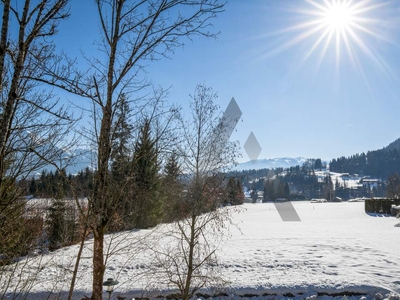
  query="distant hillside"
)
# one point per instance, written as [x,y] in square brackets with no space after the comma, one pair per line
[393,145]
[378,163]
[271,163]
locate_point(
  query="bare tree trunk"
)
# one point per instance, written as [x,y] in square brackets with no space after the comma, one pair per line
[100,202]
[77,261]
[189,274]
[3,39]
[8,112]
[98,263]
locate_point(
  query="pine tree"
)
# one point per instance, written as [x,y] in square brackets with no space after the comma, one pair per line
[231,192]
[171,189]
[239,193]
[33,187]
[61,225]
[122,136]
[147,203]
[318,164]
[265,194]
[172,169]
[286,190]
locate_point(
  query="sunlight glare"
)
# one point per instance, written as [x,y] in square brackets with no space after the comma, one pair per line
[338,16]
[345,30]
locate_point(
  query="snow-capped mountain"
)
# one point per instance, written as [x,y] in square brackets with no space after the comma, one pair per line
[78,159]
[81,159]
[75,161]
[270,163]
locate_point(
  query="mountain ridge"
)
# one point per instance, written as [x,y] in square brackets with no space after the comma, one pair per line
[80,158]
[271,163]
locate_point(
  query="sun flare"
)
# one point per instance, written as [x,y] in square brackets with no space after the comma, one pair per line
[338,16]
[349,30]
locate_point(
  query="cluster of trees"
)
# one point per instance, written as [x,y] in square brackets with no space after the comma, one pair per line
[275,188]
[234,193]
[127,179]
[379,163]
[58,184]
[300,182]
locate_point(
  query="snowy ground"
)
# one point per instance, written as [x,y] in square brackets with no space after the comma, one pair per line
[336,249]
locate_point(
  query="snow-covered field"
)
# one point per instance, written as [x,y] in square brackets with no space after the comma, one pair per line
[336,249]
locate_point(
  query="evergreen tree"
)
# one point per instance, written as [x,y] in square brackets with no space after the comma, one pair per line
[61,225]
[270,191]
[265,192]
[231,192]
[122,136]
[172,189]
[32,187]
[286,190]
[172,169]
[147,203]
[15,235]
[318,164]
[239,193]
[280,191]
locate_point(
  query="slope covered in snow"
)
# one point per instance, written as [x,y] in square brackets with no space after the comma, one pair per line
[345,180]
[336,249]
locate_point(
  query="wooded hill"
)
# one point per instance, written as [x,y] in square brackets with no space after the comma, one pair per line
[378,163]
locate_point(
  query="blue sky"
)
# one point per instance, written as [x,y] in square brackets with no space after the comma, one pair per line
[297,101]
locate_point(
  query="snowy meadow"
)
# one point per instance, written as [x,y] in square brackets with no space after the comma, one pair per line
[335,250]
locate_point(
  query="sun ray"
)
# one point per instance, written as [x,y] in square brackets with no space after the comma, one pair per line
[317,43]
[372,33]
[366,6]
[296,40]
[344,31]
[325,49]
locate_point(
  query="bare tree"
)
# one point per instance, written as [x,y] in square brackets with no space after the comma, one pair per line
[188,261]
[132,32]
[33,123]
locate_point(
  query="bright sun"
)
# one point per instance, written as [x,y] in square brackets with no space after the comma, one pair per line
[349,31]
[346,26]
[338,15]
